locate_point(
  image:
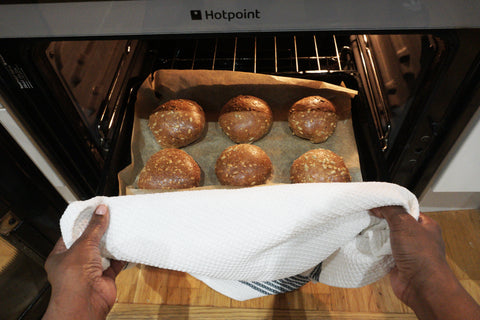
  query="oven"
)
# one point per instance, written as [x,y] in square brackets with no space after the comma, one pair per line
[69,79]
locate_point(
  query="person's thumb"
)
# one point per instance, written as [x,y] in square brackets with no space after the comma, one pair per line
[396,216]
[97,226]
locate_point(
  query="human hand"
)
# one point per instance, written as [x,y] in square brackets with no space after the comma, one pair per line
[421,277]
[80,287]
[417,248]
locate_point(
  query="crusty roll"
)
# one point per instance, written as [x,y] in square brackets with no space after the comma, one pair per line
[243,165]
[170,169]
[313,118]
[177,123]
[245,119]
[319,165]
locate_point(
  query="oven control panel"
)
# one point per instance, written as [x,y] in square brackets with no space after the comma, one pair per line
[47,18]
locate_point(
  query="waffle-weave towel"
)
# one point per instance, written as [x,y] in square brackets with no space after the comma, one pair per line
[251,242]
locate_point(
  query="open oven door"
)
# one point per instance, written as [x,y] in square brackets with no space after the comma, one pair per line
[30,208]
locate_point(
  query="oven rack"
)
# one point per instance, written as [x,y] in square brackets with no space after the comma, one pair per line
[304,55]
[273,54]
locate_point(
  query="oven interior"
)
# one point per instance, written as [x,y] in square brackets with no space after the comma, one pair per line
[386,69]
[79,96]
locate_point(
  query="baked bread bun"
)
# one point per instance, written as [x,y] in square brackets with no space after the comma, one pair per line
[170,169]
[243,165]
[177,123]
[313,118]
[245,119]
[319,165]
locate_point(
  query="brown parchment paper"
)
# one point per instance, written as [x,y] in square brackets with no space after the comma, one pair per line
[212,89]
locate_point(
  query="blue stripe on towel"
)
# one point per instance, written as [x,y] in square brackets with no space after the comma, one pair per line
[277,286]
[294,282]
[285,284]
[270,284]
[261,287]
[299,279]
[251,285]
[315,274]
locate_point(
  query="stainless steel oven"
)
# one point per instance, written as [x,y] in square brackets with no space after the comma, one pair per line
[69,72]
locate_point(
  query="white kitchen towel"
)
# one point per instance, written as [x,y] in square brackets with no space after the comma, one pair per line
[250,242]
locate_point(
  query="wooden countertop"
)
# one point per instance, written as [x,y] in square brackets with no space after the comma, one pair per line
[151,293]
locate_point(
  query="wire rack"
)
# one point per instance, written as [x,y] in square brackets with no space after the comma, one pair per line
[320,56]
[312,53]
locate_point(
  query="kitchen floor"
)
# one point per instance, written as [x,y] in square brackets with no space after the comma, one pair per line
[152,293]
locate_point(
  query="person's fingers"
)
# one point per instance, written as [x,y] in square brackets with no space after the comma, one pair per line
[114,269]
[426,220]
[59,247]
[98,225]
[431,225]
[109,273]
[434,229]
[117,266]
[395,215]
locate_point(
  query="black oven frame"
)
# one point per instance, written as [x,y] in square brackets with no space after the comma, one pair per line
[450,96]
[428,133]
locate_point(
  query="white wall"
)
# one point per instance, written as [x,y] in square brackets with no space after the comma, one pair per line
[456,185]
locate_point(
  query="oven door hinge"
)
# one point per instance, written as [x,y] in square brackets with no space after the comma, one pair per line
[8,223]
[371,79]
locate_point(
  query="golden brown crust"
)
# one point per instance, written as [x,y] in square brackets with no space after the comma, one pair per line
[170,169]
[312,103]
[177,123]
[243,165]
[319,165]
[245,119]
[313,118]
